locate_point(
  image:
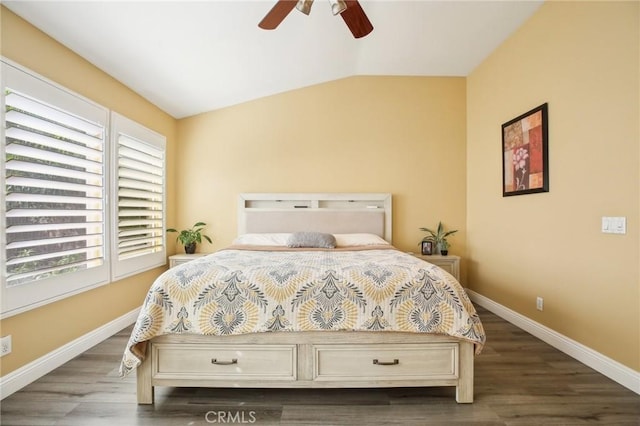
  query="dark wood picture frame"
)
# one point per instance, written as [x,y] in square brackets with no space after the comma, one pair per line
[427,248]
[525,153]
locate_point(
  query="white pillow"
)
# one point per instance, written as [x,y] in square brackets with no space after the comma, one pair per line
[265,239]
[350,240]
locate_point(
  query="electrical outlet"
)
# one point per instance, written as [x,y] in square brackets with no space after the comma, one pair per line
[539,303]
[5,345]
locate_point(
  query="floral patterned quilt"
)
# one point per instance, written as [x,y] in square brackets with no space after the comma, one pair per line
[246,289]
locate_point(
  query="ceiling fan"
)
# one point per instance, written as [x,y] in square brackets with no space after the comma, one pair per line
[350,10]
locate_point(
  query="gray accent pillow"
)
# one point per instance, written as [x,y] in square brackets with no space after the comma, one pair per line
[311,239]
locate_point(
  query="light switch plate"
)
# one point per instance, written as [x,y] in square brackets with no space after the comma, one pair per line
[614,224]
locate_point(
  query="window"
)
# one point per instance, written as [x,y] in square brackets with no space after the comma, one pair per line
[61,164]
[139,158]
[54,171]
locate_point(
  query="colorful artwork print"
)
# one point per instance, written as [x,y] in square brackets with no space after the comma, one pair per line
[524,153]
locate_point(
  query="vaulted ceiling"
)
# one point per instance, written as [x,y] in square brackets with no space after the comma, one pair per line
[189,57]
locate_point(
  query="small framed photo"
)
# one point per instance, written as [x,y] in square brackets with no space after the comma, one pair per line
[427,248]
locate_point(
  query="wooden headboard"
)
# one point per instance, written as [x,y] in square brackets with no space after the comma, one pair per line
[335,213]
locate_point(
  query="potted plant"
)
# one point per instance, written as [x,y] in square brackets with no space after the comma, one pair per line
[444,247]
[190,237]
[439,238]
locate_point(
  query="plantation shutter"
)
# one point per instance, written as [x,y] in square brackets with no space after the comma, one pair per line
[140,162]
[54,179]
[54,191]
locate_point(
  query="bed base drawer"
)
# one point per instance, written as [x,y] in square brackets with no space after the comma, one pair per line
[383,362]
[225,362]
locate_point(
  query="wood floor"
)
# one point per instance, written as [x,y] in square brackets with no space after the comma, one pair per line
[519,381]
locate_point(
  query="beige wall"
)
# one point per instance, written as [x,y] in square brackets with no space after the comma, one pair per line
[583,59]
[403,135]
[40,331]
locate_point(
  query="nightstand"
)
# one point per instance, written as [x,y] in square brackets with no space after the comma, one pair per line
[450,263]
[178,259]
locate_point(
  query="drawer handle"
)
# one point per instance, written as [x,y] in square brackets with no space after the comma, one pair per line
[216,362]
[394,362]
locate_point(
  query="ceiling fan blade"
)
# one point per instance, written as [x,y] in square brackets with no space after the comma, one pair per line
[277,14]
[356,19]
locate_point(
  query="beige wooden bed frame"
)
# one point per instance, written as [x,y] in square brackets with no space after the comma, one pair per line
[309,359]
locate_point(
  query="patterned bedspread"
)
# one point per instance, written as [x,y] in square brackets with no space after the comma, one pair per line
[246,290]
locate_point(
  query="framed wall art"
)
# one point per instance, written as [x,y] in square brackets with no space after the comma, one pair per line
[525,156]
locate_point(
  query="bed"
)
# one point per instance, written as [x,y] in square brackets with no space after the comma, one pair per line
[311,294]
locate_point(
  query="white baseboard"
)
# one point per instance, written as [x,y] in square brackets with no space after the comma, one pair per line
[622,374]
[24,375]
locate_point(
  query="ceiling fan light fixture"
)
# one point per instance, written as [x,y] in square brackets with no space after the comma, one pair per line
[338,6]
[304,6]
[350,11]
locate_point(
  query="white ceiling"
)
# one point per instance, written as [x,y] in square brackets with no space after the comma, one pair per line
[189,57]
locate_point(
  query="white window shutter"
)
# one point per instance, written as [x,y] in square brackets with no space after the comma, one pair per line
[54,174]
[139,185]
